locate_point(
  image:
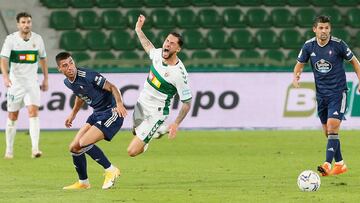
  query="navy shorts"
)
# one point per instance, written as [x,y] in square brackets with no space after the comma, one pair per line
[108,121]
[333,106]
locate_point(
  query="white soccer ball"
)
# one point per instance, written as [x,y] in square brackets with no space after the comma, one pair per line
[309,181]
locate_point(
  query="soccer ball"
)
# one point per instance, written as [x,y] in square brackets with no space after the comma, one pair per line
[308,181]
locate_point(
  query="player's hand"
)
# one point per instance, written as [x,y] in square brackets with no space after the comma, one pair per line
[120,109]
[173,130]
[140,22]
[45,85]
[296,79]
[7,82]
[69,120]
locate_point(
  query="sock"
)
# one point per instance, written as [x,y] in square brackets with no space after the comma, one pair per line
[332,146]
[86,181]
[10,135]
[98,155]
[111,168]
[34,129]
[79,161]
[338,156]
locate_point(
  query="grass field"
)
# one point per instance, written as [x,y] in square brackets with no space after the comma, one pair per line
[199,166]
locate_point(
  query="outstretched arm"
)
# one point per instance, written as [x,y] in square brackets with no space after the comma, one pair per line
[185,108]
[297,72]
[146,44]
[355,63]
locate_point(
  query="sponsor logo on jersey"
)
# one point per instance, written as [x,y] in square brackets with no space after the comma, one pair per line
[26,57]
[323,66]
[154,80]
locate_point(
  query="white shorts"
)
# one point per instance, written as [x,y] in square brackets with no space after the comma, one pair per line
[146,122]
[19,95]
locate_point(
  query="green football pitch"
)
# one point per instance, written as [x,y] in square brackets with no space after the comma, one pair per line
[198,166]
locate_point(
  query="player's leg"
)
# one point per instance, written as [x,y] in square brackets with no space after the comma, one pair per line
[32,102]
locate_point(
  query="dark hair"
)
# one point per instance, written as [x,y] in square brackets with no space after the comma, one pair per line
[180,38]
[22,15]
[61,56]
[321,19]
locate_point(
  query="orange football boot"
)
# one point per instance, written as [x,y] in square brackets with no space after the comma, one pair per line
[338,169]
[324,169]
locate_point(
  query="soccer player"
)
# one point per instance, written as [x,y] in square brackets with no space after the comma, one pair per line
[103,124]
[326,54]
[23,50]
[167,77]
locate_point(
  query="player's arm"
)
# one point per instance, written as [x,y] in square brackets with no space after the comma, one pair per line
[145,42]
[185,108]
[77,105]
[44,68]
[355,63]
[297,72]
[120,109]
[4,63]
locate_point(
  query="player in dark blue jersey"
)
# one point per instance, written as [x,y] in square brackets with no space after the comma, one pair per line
[105,121]
[327,54]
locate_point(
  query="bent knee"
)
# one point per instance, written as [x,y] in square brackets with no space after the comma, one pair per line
[74,148]
[132,151]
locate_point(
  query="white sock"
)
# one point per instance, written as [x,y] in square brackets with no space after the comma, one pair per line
[340,162]
[111,168]
[34,129]
[10,135]
[86,181]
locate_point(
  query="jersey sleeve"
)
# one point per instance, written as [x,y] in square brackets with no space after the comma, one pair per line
[6,48]
[42,52]
[96,79]
[304,54]
[345,50]
[182,86]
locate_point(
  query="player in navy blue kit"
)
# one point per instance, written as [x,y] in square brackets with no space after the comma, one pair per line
[105,121]
[327,54]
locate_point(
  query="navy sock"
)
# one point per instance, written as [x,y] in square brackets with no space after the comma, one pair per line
[338,156]
[98,155]
[79,161]
[332,146]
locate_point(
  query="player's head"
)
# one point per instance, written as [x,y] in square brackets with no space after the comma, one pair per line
[66,64]
[23,22]
[322,27]
[172,45]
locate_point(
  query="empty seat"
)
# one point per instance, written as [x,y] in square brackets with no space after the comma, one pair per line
[305,17]
[342,34]
[347,2]
[113,19]
[250,58]
[186,18]
[282,18]
[299,3]
[242,39]
[267,39]
[201,54]
[322,3]
[154,3]
[225,54]
[104,55]
[56,3]
[225,2]
[88,20]
[291,58]
[62,20]
[335,15]
[182,56]
[201,3]
[121,40]
[354,17]
[107,3]
[291,39]
[210,18]
[308,35]
[129,55]
[357,40]
[193,39]
[97,40]
[274,2]
[178,3]
[72,41]
[82,3]
[218,39]
[132,17]
[162,19]
[233,18]
[258,18]
[80,56]
[250,3]
[131,3]
[274,58]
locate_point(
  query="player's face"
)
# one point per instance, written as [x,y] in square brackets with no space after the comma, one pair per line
[322,31]
[24,25]
[170,46]
[67,67]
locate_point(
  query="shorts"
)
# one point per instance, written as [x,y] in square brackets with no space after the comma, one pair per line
[333,106]
[19,95]
[146,122]
[108,121]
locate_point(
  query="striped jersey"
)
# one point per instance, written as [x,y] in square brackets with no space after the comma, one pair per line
[163,82]
[23,56]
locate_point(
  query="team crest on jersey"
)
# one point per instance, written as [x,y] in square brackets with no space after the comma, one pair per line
[323,66]
[166,74]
